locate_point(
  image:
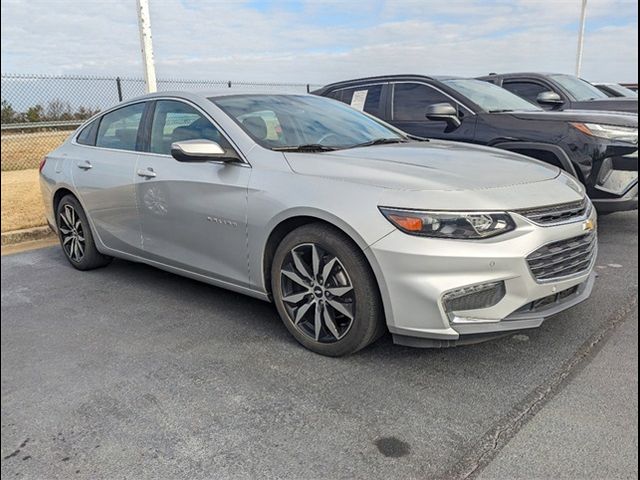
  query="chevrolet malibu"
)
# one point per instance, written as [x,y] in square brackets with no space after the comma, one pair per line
[349,226]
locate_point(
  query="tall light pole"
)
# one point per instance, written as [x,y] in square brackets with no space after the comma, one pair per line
[583,18]
[144,25]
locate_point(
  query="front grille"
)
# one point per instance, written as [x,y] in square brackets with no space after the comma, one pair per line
[558,213]
[564,258]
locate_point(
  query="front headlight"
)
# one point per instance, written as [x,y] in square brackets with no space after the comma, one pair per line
[609,132]
[461,226]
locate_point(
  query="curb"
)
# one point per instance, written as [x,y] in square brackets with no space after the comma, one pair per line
[26,235]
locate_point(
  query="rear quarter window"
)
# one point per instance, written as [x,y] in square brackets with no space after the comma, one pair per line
[87,135]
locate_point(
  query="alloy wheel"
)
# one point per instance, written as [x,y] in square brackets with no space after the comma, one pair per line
[317,293]
[72,232]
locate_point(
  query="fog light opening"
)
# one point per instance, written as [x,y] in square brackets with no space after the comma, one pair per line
[473,298]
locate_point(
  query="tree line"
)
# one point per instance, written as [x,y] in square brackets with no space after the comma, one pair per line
[53,111]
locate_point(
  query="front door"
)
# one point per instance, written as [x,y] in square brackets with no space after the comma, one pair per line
[193,215]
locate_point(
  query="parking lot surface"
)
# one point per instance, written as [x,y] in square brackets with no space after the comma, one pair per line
[131,372]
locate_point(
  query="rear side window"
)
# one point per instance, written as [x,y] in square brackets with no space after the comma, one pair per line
[410,101]
[176,121]
[119,129]
[526,90]
[87,135]
[365,99]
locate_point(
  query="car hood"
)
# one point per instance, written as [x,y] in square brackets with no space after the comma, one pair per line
[433,165]
[620,104]
[608,118]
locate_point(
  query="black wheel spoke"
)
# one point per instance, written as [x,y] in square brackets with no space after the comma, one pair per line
[317,293]
[72,233]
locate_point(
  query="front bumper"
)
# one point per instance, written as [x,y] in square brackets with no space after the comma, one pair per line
[419,271]
[628,201]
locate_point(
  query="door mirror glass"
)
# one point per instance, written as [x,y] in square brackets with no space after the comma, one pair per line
[549,98]
[198,150]
[443,112]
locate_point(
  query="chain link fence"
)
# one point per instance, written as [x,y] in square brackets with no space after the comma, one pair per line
[39,112]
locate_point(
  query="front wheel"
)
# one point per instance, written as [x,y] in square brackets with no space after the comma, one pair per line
[75,236]
[325,292]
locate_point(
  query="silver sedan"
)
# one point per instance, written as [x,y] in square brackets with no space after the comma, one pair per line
[351,227]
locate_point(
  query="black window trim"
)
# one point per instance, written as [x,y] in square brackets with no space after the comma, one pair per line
[393,84]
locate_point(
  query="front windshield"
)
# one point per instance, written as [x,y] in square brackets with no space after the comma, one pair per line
[282,122]
[579,89]
[624,91]
[490,97]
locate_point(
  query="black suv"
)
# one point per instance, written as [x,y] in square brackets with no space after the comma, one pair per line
[558,91]
[600,149]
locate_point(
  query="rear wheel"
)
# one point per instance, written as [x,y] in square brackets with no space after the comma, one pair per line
[75,236]
[325,291]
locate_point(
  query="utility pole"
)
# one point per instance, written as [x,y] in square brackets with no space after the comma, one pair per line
[583,18]
[144,24]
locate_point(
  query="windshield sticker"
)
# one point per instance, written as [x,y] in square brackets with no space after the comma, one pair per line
[358,99]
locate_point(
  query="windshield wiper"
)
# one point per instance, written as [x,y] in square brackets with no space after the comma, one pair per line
[309,147]
[502,110]
[379,141]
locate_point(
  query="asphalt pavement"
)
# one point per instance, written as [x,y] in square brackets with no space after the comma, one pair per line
[131,372]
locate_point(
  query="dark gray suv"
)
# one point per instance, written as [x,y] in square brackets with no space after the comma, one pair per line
[558,91]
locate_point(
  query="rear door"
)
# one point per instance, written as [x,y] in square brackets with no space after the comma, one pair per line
[103,164]
[409,102]
[193,215]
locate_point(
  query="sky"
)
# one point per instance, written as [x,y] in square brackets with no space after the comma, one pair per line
[316,41]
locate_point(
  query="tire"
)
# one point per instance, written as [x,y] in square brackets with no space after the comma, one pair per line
[76,238]
[338,310]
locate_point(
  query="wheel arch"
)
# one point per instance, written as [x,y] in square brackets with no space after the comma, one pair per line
[285,224]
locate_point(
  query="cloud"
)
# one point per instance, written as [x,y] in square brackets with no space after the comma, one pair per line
[320,41]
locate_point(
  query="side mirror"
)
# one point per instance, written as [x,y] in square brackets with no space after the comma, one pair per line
[444,112]
[197,151]
[549,98]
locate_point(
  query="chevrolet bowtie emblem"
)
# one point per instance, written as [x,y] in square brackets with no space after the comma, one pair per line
[589,225]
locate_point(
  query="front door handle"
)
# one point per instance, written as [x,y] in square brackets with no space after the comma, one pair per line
[86,165]
[148,173]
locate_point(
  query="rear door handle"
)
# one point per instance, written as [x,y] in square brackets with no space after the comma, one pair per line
[86,165]
[148,173]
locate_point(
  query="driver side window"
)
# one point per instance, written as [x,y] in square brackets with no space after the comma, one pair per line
[175,121]
[410,101]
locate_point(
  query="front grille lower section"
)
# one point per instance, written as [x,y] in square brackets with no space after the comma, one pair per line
[565,258]
[555,214]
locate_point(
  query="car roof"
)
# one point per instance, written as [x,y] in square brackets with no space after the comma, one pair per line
[388,78]
[223,92]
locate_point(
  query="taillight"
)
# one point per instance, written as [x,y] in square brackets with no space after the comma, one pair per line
[42,162]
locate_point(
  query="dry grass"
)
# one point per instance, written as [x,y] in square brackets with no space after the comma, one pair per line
[22,205]
[25,150]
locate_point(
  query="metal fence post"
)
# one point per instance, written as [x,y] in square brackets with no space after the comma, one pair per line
[119,87]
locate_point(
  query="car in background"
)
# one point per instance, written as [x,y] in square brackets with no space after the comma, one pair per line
[599,148]
[616,90]
[348,225]
[559,91]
